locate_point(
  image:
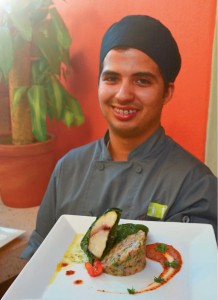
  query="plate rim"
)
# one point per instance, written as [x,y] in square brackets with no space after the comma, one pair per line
[10,236]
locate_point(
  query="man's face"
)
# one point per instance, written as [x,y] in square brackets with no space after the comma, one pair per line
[131,93]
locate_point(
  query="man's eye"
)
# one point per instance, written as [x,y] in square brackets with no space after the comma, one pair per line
[143,81]
[110,79]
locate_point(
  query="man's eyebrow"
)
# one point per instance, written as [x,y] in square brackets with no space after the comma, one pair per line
[108,72]
[145,74]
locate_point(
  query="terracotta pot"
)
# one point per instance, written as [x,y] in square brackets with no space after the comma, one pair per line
[24,172]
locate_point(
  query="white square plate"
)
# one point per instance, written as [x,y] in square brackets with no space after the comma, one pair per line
[8,234]
[197,280]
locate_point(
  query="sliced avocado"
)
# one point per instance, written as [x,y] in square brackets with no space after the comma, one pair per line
[100,237]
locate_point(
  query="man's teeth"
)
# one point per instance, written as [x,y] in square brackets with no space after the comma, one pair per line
[125,111]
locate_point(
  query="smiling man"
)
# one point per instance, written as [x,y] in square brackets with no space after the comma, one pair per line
[131,97]
[135,166]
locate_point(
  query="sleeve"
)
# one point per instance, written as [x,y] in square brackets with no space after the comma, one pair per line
[46,218]
[197,200]
[34,243]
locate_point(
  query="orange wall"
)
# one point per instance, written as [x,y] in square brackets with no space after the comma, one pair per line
[192,24]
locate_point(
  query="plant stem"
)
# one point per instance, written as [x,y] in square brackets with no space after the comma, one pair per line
[20,117]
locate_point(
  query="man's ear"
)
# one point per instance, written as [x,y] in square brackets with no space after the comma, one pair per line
[168,94]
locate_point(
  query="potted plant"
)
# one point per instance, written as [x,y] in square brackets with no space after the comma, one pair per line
[34,62]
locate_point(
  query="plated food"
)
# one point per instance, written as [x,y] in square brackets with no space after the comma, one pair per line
[119,250]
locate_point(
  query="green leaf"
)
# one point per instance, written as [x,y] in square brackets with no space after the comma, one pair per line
[45,40]
[56,98]
[21,20]
[37,101]
[159,279]
[124,230]
[34,72]
[161,248]
[174,264]
[43,64]
[39,15]
[60,28]
[68,118]
[18,94]
[65,57]
[75,107]
[6,51]
[131,291]
[40,4]
[39,10]
[39,71]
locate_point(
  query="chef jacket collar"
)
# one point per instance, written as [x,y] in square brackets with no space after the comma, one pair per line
[145,150]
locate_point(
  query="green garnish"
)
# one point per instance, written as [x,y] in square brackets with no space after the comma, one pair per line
[159,279]
[174,264]
[161,248]
[167,263]
[131,291]
[124,230]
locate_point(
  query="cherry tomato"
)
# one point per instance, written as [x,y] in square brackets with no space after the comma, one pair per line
[94,269]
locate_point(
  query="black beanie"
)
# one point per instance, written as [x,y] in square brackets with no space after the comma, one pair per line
[147,35]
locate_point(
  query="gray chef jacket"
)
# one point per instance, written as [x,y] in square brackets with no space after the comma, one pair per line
[160,181]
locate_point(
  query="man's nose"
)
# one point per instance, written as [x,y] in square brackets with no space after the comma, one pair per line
[125,92]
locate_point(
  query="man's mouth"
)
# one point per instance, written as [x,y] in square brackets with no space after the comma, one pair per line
[124,114]
[124,111]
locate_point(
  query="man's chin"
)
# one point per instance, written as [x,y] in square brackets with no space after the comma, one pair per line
[124,132]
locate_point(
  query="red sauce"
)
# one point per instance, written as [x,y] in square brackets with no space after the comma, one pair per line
[78,281]
[64,264]
[105,228]
[160,257]
[152,254]
[61,265]
[176,255]
[70,272]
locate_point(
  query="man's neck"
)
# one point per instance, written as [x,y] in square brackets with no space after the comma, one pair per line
[120,147]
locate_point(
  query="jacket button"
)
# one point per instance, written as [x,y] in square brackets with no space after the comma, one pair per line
[138,169]
[186,219]
[101,167]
